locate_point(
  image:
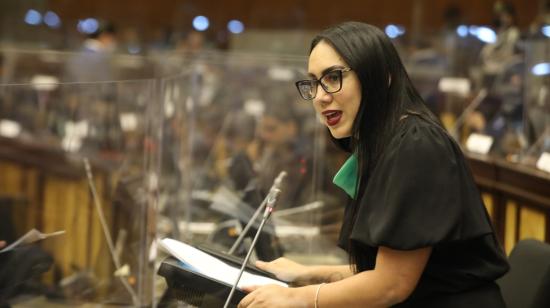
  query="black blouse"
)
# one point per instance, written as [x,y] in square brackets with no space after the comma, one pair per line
[420,194]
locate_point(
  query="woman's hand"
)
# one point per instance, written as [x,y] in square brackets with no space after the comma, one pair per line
[285,269]
[2,244]
[274,296]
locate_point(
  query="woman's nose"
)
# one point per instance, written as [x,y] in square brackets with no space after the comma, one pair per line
[322,97]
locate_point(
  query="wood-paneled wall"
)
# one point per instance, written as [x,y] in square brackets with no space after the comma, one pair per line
[282,14]
[516,196]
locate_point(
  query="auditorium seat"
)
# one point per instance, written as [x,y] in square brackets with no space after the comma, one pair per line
[527,285]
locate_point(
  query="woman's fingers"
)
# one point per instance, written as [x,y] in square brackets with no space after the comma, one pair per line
[249,289]
[246,301]
[284,269]
[262,265]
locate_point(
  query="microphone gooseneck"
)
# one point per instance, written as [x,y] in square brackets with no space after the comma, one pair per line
[270,202]
[105,228]
[276,186]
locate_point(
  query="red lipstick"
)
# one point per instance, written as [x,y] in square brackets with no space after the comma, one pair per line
[333,116]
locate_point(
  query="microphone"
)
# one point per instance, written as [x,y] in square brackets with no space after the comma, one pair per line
[279,180]
[276,186]
[120,270]
[468,111]
[271,201]
[270,206]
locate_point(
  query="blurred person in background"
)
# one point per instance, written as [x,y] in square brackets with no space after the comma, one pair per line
[93,60]
[495,56]
[538,116]
[21,266]
[192,43]
[130,41]
[96,105]
[281,147]
[542,19]
[239,143]
[500,114]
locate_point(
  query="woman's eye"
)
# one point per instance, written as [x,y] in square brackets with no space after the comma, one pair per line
[332,77]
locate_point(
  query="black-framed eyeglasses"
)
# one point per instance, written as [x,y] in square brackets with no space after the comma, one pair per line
[331,82]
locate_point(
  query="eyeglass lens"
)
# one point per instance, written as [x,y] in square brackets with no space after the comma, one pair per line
[331,83]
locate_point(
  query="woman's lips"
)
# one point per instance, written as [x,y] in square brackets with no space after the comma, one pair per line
[333,117]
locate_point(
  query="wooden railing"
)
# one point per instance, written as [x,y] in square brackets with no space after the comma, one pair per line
[517,198]
[53,195]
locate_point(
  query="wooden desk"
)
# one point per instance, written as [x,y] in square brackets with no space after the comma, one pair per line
[517,197]
[57,197]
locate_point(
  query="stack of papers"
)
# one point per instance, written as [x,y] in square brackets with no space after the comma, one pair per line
[212,267]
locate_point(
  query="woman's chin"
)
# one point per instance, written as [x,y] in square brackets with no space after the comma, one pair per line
[338,134]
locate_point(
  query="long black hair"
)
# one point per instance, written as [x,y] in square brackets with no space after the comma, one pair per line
[387,95]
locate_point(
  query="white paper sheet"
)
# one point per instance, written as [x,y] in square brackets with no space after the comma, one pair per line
[32,236]
[213,267]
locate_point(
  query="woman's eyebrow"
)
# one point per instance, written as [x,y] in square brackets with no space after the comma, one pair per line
[326,70]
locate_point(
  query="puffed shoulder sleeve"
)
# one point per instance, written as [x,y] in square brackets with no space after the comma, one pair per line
[421,193]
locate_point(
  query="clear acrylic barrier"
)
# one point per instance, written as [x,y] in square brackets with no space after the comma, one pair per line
[230,123]
[439,65]
[50,66]
[536,96]
[233,122]
[49,135]
[469,98]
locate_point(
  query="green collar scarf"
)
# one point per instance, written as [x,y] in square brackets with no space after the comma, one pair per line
[346,177]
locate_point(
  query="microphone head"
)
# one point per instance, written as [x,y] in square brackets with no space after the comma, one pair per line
[272,198]
[280,178]
[271,201]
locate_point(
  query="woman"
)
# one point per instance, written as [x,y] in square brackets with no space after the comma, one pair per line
[416,230]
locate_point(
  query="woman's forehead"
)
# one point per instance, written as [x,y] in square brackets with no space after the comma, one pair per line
[322,57]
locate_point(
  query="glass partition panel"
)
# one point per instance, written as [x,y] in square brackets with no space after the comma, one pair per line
[537,99]
[474,89]
[233,123]
[439,66]
[81,160]
[50,66]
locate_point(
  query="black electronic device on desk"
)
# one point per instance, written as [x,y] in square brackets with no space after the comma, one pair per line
[192,287]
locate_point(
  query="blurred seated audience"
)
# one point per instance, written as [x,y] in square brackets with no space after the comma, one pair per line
[93,60]
[494,56]
[20,267]
[542,19]
[281,147]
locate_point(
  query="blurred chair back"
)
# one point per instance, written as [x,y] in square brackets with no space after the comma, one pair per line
[527,285]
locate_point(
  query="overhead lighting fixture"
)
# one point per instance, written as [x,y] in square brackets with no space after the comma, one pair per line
[541,69]
[394,31]
[484,34]
[201,23]
[52,20]
[88,25]
[235,26]
[462,31]
[33,17]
